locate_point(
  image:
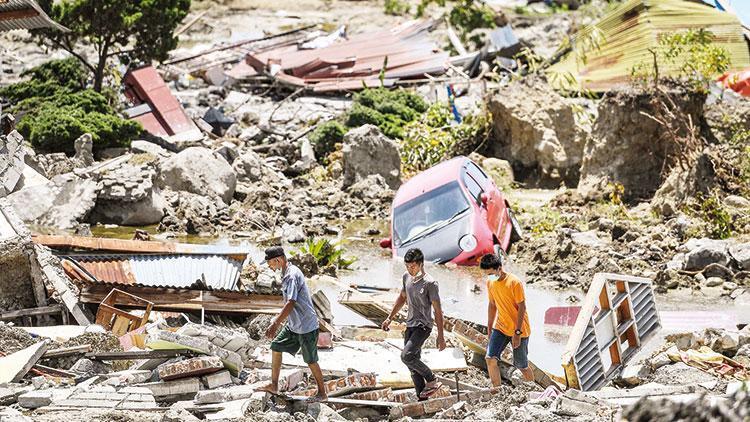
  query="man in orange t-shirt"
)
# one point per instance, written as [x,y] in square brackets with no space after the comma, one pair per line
[507,320]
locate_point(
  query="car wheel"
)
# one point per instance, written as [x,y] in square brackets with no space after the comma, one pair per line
[516,233]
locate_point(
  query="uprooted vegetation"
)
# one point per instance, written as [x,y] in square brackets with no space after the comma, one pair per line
[55,109]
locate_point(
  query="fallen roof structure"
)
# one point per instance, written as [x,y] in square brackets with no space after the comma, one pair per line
[402,52]
[220,272]
[617,316]
[25,14]
[156,108]
[604,54]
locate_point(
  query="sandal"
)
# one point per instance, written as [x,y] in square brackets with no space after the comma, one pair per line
[429,391]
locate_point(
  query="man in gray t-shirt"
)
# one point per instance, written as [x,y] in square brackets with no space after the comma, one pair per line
[420,292]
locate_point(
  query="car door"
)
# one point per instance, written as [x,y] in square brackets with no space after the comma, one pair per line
[495,215]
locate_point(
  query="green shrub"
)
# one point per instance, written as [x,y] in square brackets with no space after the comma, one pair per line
[325,137]
[326,253]
[396,7]
[55,109]
[54,128]
[46,80]
[435,137]
[389,110]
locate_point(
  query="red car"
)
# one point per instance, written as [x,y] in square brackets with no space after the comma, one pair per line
[453,212]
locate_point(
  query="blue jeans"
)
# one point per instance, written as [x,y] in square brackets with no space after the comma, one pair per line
[497,344]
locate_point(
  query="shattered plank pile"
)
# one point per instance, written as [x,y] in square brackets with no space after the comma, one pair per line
[402,52]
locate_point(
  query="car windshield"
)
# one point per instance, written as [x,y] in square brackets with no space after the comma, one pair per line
[427,212]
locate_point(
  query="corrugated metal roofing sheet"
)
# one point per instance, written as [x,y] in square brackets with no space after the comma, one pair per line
[36,18]
[221,272]
[406,51]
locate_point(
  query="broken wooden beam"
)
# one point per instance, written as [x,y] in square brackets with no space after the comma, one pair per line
[67,351]
[176,299]
[138,354]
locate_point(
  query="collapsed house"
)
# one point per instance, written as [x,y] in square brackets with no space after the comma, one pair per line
[603,56]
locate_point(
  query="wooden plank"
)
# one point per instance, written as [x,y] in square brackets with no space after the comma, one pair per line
[43,310]
[54,371]
[138,354]
[450,382]
[67,351]
[166,299]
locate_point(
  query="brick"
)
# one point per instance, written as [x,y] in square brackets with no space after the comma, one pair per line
[217,379]
[404,396]
[179,387]
[376,395]
[190,367]
[347,385]
[436,405]
[412,409]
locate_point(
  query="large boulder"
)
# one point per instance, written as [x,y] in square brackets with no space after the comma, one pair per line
[128,196]
[200,171]
[535,128]
[629,148]
[369,152]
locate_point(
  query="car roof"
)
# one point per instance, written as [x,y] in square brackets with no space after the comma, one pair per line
[434,177]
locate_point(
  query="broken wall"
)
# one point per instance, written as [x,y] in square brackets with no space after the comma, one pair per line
[17,288]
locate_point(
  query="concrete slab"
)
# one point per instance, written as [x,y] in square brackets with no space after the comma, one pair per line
[166,389]
[15,366]
[219,379]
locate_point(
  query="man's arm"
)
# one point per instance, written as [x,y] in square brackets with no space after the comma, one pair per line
[400,301]
[439,322]
[491,312]
[519,323]
[280,318]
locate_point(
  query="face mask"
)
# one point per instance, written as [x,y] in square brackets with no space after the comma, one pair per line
[493,277]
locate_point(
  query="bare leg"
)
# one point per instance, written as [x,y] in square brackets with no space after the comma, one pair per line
[494,370]
[528,374]
[273,387]
[318,375]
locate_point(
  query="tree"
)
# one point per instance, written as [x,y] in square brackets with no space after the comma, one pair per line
[139,30]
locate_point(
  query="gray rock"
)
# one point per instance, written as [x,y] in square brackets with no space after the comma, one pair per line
[64,202]
[84,147]
[12,162]
[146,147]
[713,281]
[661,359]
[367,152]
[200,171]
[589,239]
[633,375]
[737,201]
[712,252]
[741,254]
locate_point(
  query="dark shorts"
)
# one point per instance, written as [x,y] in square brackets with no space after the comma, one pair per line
[498,342]
[290,342]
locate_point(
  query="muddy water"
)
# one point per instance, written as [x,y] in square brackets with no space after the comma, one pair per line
[464,295]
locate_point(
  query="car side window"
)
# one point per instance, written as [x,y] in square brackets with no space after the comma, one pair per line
[477,173]
[474,188]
